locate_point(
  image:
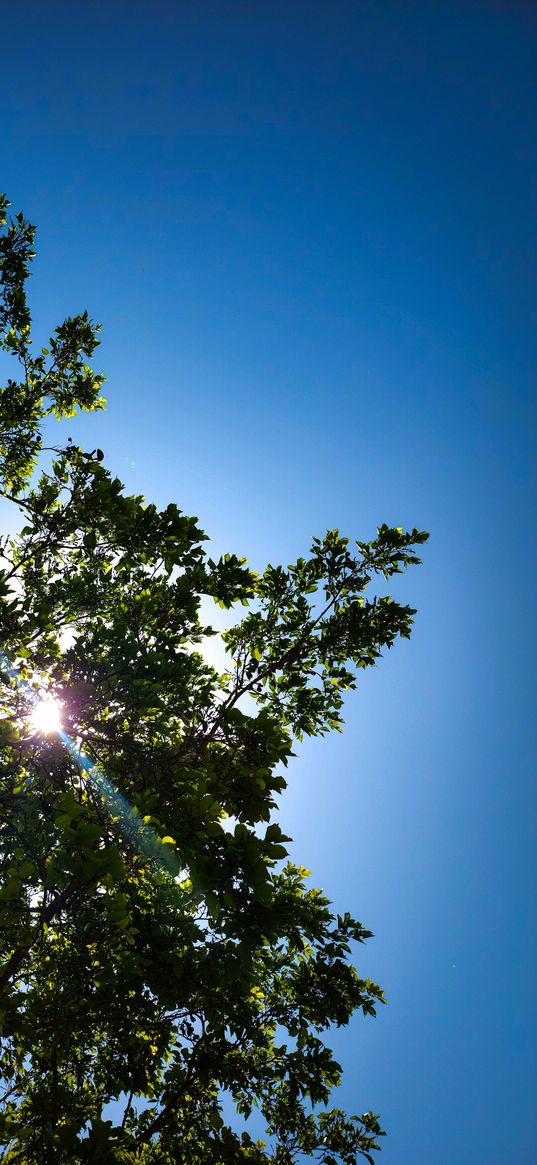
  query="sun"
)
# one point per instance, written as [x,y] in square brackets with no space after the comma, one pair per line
[45,717]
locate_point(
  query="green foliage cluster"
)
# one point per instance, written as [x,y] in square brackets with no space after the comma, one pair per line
[163,977]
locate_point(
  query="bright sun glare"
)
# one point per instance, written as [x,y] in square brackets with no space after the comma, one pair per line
[46,716]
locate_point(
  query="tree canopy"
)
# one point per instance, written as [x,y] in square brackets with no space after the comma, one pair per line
[157,948]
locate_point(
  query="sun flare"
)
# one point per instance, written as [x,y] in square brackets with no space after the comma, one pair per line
[45,717]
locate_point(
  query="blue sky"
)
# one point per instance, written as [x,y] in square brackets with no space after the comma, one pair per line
[307,230]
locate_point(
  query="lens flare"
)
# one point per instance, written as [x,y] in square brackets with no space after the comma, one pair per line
[45,718]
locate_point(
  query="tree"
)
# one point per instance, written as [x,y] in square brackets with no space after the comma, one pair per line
[157,949]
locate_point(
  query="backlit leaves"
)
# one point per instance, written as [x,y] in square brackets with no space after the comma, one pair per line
[158,949]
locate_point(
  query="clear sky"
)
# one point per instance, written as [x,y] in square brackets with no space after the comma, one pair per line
[307,230]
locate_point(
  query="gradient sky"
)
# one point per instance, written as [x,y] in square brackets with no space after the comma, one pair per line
[307,230]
